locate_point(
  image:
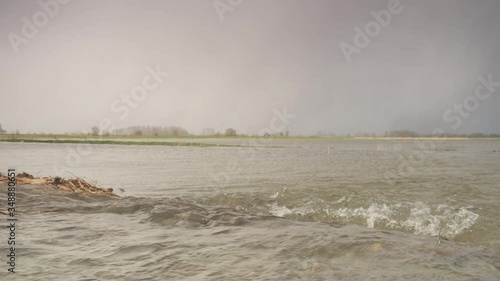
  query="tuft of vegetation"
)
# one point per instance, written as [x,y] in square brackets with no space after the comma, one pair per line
[25,175]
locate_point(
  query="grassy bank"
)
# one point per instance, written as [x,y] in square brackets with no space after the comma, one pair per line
[192,140]
[134,137]
[113,142]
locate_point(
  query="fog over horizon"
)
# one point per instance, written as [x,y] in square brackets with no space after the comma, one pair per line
[236,72]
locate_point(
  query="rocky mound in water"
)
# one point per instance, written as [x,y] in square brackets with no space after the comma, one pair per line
[77,185]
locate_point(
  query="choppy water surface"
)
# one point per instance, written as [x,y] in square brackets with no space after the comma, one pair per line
[302,210]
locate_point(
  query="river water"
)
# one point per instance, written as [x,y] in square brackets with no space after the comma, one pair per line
[297,209]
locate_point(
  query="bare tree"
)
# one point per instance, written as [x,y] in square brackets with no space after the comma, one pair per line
[230,132]
[95,131]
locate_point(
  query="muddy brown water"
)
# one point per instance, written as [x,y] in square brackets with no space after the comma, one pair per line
[306,210]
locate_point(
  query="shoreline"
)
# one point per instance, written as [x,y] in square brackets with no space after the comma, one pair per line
[115,142]
[190,140]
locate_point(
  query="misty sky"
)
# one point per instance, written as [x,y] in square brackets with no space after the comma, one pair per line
[262,55]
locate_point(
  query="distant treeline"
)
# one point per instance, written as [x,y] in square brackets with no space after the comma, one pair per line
[152,131]
[401,134]
[177,131]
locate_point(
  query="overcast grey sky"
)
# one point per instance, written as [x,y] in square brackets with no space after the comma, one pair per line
[233,72]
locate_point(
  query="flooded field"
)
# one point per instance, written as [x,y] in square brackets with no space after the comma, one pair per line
[299,210]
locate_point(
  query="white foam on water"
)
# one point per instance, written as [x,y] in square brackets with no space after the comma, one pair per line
[418,218]
[422,221]
[280,211]
[448,220]
[374,213]
[278,193]
[342,200]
